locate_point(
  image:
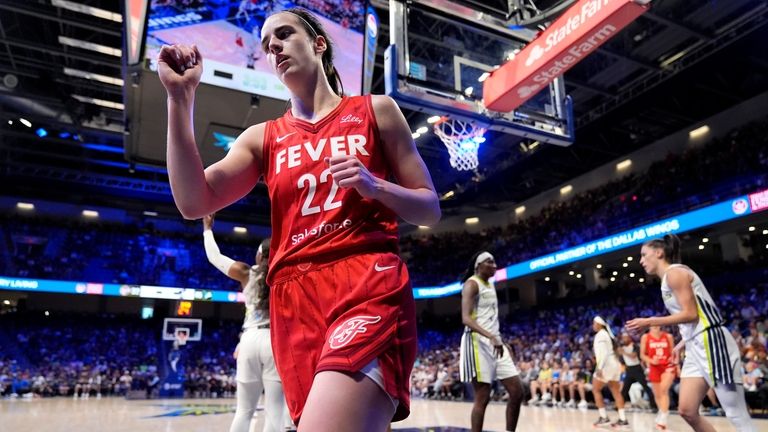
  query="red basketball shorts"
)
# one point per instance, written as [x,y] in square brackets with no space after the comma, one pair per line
[340,316]
[656,371]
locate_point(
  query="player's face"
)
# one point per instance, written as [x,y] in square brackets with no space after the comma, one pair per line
[596,327]
[487,268]
[291,52]
[649,259]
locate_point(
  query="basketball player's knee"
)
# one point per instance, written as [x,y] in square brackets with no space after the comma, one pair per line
[689,413]
[482,398]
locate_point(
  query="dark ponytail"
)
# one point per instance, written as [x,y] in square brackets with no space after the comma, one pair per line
[315,28]
[670,244]
[262,289]
[471,268]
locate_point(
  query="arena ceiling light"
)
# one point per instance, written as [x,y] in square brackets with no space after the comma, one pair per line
[88,10]
[565,190]
[472,220]
[422,130]
[641,280]
[100,102]
[433,119]
[103,49]
[149,213]
[625,265]
[705,240]
[578,276]
[621,166]
[240,230]
[520,210]
[613,279]
[571,272]
[449,194]
[599,266]
[90,213]
[629,258]
[673,59]
[701,247]
[25,122]
[93,76]
[698,132]
[25,206]
[423,227]
[751,229]
[765,232]
[631,275]
[615,273]
[547,279]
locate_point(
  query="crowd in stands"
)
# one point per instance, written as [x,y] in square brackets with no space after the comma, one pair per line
[78,356]
[552,345]
[49,248]
[93,251]
[679,183]
[82,356]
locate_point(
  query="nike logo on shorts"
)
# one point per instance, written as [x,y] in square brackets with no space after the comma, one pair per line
[279,139]
[378,268]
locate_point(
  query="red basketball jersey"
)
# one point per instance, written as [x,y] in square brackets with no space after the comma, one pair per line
[313,218]
[658,349]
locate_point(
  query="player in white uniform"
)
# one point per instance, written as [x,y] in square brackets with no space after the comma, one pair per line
[484,357]
[256,369]
[607,371]
[712,357]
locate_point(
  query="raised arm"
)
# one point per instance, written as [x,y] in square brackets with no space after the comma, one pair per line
[198,192]
[236,270]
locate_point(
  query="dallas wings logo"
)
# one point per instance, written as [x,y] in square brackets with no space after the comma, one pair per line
[347,331]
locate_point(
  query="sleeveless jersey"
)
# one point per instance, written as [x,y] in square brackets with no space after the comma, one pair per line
[658,349]
[254,316]
[709,315]
[603,348]
[312,217]
[486,308]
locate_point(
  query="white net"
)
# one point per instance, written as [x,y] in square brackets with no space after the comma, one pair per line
[463,139]
[181,336]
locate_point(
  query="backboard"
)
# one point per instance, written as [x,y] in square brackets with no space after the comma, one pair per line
[440,53]
[193,327]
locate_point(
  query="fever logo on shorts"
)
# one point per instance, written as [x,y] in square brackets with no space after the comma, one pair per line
[347,331]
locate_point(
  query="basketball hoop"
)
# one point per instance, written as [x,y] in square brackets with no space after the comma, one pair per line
[463,139]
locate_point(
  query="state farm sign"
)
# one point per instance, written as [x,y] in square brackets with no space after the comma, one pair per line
[580,30]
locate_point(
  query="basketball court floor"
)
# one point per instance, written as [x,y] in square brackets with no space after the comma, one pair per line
[206,415]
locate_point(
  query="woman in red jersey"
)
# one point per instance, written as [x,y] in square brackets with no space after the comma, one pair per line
[656,352]
[342,311]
